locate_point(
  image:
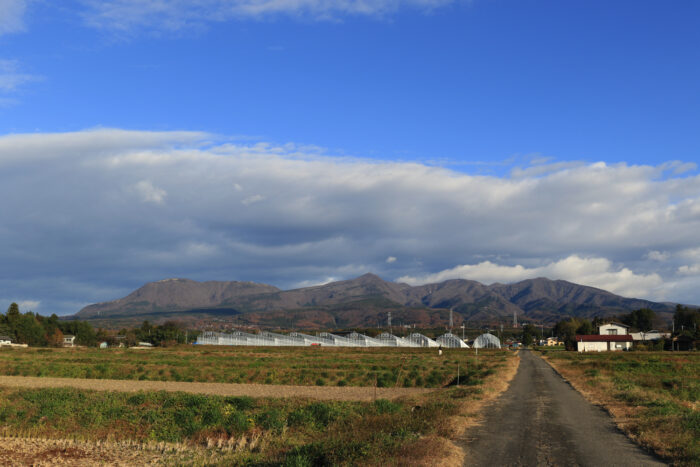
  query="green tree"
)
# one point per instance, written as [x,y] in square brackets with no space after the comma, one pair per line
[642,319]
[686,320]
[29,331]
[567,329]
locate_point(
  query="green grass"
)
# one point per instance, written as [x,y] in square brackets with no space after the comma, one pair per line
[388,367]
[662,389]
[273,431]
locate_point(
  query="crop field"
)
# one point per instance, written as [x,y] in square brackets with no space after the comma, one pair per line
[208,429]
[652,395]
[307,366]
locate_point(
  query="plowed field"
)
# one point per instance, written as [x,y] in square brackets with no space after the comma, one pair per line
[218,389]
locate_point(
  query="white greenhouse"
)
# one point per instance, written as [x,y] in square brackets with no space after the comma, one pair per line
[449,340]
[326,339]
[487,341]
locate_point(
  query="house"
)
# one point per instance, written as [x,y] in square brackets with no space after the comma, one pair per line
[552,341]
[4,340]
[613,329]
[68,340]
[603,342]
[652,335]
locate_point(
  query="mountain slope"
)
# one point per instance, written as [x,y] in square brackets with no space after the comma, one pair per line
[364,301]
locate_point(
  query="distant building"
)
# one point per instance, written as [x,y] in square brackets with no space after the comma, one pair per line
[652,335]
[603,342]
[104,345]
[68,340]
[613,329]
[4,340]
[552,341]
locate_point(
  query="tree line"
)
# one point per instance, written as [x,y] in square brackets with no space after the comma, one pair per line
[36,330]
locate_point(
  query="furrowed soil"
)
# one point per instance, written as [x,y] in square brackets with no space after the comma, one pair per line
[217,389]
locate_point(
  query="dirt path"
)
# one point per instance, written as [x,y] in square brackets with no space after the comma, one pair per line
[541,420]
[346,393]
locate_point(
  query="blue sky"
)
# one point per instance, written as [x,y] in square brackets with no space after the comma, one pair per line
[521,107]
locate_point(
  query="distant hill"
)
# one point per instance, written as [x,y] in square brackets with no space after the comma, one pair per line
[363,302]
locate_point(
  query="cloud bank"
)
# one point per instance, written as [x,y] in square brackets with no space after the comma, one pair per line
[90,215]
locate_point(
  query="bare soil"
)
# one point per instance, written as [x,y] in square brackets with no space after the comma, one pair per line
[347,393]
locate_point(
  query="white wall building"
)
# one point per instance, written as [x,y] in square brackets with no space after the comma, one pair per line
[603,343]
[613,329]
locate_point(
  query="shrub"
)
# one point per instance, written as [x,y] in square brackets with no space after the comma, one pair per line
[384,406]
[272,420]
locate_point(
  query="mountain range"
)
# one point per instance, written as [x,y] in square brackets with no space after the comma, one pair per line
[364,302]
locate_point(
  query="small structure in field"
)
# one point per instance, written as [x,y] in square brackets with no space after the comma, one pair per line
[553,341]
[422,341]
[487,341]
[68,340]
[5,340]
[451,341]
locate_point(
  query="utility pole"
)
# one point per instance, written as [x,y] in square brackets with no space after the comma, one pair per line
[389,319]
[515,320]
[462,331]
[451,322]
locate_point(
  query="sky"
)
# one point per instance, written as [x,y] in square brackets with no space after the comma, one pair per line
[296,142]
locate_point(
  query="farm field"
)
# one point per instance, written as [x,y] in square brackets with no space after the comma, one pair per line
[653,396]
[182,428]
[305,366]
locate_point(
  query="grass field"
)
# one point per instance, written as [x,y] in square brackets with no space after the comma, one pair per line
[652,395]
[260,431]
[290,366]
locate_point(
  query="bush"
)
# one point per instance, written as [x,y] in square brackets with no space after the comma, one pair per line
[272,420]
[241,402]
[384,406]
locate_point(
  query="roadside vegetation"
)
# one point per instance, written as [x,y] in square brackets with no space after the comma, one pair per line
[653,396]
[287,431]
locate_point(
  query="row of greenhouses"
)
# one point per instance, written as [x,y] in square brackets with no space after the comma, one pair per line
[354,339]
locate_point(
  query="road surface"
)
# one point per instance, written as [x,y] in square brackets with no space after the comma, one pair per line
[541,420]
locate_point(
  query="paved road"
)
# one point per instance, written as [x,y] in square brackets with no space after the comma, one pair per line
[541,420]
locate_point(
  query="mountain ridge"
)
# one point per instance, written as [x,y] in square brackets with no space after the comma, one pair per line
[365,299]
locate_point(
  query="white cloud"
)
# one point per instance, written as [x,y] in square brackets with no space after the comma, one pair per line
[149,193]
[175,15]
[252,199]
[28,305]
[12,16]
[391,259]
[658,256]
[692,270]
[594,272]
[603,225]
[11,78]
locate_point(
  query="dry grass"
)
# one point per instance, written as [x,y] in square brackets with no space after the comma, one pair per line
[470,411]
[641,398]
